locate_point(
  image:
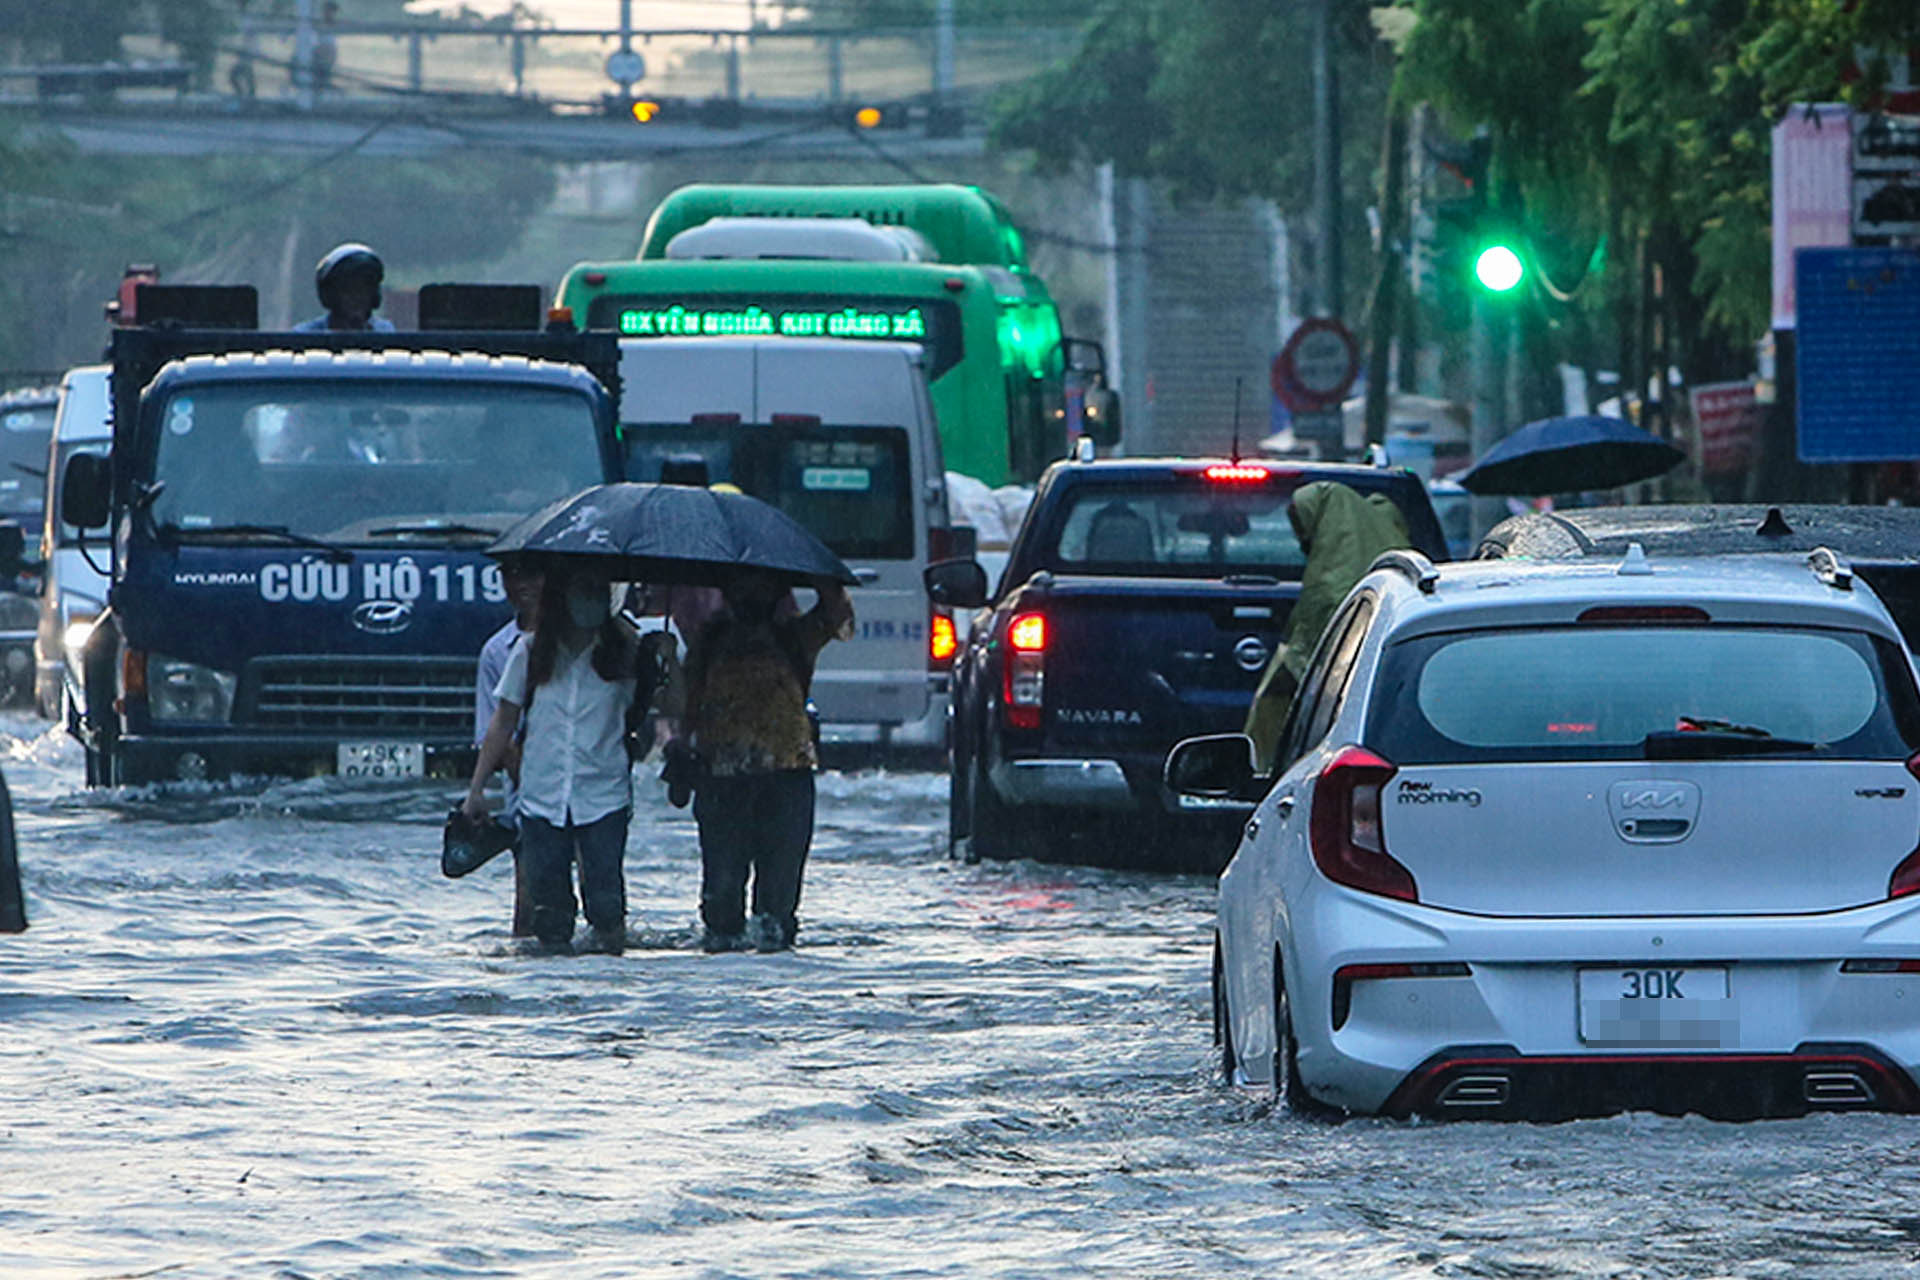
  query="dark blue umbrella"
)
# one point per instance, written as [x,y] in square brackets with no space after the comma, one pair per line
[673,533]
[1567,455]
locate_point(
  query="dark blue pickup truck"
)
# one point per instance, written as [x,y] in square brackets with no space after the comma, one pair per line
[1140,604]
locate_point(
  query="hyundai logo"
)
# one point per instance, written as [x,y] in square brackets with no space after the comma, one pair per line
[1251,653]
[383,617]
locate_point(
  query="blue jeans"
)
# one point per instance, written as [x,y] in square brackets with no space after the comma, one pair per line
[547,856]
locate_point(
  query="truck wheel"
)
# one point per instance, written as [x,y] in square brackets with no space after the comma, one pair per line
[959,808]
[996,829]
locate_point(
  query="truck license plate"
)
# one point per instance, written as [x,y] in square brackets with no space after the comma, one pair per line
[1658,1006]
[382,760]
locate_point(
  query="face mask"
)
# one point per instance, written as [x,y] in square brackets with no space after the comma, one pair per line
[588,604]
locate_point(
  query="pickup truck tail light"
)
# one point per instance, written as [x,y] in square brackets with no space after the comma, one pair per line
[1349,846]
[942,640]
[1024,672]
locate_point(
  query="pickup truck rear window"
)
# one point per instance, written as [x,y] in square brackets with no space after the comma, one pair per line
[1189,530]
[850,486]
[1598,692]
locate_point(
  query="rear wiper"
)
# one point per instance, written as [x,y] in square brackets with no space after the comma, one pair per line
[433,526]
[174,533]
[1701,738]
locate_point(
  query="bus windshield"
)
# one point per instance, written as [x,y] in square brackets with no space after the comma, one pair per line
[25,433]
[849,485]
[371,461]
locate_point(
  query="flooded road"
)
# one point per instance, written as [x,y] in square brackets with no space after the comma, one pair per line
[253,1032]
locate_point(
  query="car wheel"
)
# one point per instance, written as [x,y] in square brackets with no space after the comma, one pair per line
[1222,1021]
[995,829]
[1289,1091]
[959,808]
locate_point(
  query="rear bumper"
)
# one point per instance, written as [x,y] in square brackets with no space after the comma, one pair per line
[1499,1082]
[1394,1042]
[213,754]
[1063,783]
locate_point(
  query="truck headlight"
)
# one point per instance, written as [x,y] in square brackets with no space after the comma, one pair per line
[186,691]
[74,638]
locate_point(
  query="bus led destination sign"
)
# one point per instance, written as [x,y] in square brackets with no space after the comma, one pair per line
[904,323]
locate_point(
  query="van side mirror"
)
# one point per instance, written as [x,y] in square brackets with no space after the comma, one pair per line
[1216,767]
[86,491]
[958,584]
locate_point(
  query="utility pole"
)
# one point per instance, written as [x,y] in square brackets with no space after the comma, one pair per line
[1387,289]
[303,42]
[1326,157]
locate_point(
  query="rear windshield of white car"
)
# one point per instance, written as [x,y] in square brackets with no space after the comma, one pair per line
[1611,692]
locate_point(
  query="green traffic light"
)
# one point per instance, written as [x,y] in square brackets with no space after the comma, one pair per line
[1498,268]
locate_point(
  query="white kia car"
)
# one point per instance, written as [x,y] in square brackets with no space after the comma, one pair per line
[1567,838]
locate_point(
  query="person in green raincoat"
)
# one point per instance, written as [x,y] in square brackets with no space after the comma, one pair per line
[1341,531]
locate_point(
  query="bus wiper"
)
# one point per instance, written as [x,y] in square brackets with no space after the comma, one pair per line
[335,552]
[433,526]
[1703,738]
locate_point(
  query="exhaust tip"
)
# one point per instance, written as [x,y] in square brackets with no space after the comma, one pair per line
[1828,1088]
[1467,1092]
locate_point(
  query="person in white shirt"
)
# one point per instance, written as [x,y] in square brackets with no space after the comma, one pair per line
[574,679]
[522,578]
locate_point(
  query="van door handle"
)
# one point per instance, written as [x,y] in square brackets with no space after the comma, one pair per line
[867,577]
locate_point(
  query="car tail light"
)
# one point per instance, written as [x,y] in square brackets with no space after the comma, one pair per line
[1349,846]
[1024,672]
[1880,966]
[1906,876]
[1237,473]
[1347,974]
[942,641]
[1644,613]
[133,673]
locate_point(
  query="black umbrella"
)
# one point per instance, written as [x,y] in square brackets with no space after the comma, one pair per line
[673,533]
[1566,455]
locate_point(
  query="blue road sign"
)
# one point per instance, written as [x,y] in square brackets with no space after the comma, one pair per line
[1857,354]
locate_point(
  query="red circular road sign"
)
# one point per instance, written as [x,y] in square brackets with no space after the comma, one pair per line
[1316,368]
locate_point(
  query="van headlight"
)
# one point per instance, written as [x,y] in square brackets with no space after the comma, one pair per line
[180,691]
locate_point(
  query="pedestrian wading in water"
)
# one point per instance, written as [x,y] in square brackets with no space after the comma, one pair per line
[747,676]
[574,681]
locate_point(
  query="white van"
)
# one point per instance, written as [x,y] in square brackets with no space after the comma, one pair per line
[75,591]
[841,436]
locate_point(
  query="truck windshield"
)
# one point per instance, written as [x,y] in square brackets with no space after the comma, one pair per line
[849,486]
[373,461]
[24,436]
[1198,529]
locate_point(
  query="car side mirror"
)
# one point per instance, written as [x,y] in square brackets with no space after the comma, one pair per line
[958,584]
[86,491]
[1216,767]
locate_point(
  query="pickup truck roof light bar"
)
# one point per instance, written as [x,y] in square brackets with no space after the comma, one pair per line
[1415,567]
[1830,568]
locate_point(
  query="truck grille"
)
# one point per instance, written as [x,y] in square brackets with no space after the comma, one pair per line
[381,697]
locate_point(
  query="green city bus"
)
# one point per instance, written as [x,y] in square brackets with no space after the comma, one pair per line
[1008,388]
[991,335]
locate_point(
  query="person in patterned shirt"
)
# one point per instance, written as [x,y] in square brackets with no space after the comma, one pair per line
[748,673]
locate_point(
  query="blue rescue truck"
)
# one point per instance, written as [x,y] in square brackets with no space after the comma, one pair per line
[296,526]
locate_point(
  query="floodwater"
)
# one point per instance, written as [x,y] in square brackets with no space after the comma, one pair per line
[252,1032]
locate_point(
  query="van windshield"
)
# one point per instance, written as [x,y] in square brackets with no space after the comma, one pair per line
[369,460]
[1604,692]
[851,486]
[25,433]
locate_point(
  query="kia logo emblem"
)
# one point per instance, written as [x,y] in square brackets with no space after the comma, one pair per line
[1251,653]
[383,617]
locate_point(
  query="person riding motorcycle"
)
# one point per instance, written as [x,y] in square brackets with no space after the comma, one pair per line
[348,281]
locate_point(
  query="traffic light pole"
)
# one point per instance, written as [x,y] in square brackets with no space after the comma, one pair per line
[1486,361]
[1326,157]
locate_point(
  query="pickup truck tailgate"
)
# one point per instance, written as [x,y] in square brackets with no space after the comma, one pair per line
[1144,662]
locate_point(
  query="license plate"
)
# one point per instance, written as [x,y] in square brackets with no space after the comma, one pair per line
[1658,1006]
[382,760]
